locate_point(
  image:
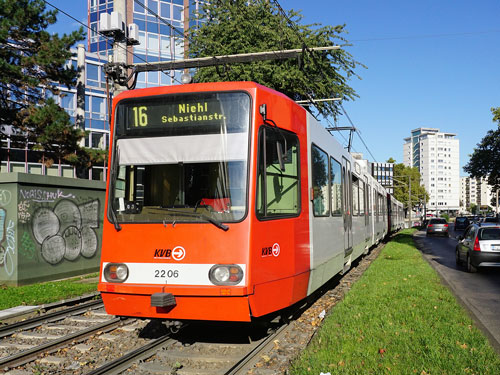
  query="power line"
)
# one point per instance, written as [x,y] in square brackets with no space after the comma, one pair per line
[172,27]
[317,65]
[428,36]
[357,132]
[104,36]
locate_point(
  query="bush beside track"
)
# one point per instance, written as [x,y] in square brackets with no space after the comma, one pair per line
[398,319]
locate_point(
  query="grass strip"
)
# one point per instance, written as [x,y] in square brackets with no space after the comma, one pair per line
[398,319]
[38,294]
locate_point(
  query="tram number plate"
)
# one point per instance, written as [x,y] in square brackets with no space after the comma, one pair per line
[166,274]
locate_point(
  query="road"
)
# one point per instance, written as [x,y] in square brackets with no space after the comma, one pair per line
[478,292]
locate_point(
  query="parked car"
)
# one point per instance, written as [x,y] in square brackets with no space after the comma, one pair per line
[479,247]
[461,222]
[437,226]
[489,221]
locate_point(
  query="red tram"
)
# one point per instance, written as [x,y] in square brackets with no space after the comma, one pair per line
[228,201]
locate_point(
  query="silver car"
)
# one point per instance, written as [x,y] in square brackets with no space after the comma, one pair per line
[479,247]
[437,226]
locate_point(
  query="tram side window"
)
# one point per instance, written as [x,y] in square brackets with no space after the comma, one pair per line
[361,206]
[336,187]
[278,191]
[320,179]
[380,207]
[375,197]
[355,195]
[368,206]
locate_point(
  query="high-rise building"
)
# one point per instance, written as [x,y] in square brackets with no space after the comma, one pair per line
[436,155]
[161,32]
[161,26]
[475,191]
[384,173]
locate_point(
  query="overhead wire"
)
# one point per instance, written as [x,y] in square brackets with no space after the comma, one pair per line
[357,132]
[304,47]
[159,18]
[104,36]
[317,65]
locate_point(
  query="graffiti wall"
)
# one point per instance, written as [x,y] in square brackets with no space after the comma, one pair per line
[8,239]
[51,230]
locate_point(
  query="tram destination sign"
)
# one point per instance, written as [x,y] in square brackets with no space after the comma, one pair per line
[185,114]
[149,113]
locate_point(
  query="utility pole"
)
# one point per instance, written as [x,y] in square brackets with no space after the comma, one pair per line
[80,91]
[497,203]
[409,201]
[120,45]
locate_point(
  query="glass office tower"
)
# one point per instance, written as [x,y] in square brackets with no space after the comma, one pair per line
[161,25]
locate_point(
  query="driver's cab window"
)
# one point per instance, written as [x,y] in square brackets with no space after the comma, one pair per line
[278,177]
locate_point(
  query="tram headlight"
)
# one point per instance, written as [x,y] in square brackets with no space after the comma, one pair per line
[116,272]
[225,274]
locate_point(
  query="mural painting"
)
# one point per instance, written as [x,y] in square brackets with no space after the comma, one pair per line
[8,247]
[66,231]
[49,233]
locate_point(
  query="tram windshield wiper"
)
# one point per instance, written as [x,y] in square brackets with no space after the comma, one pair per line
[114,220]
[211,220]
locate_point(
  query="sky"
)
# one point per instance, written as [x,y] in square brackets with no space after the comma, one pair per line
[430,63]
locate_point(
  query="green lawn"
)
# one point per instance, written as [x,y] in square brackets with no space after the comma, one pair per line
[398,319]
[42,293]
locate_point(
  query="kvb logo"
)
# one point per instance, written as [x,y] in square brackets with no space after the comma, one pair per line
[177,253]
[271,250]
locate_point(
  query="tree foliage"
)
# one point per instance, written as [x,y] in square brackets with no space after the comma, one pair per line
[402,176]
[242,26]
[485,160]
[31,61]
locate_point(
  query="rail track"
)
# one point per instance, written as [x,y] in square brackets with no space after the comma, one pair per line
[82,317]
[173,356]
[9,329]
[89,342]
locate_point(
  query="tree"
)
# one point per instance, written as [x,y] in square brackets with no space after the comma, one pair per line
[242,26]
[402,174]
[485,160]
[58,140]
[391,160]
[31,61]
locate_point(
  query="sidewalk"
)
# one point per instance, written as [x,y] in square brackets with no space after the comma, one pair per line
[18,310]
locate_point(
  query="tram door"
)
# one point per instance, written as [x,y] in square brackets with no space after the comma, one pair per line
[368,231]
[347,205]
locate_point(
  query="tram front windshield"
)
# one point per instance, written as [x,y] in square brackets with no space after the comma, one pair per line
[181,158]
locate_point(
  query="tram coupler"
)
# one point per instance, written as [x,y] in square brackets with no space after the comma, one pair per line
[174,326]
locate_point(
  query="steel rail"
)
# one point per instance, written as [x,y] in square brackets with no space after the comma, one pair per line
[10,329]
[118,365]
[252,357]
[29,354]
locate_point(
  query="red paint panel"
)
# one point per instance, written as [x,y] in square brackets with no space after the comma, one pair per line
[190,308]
